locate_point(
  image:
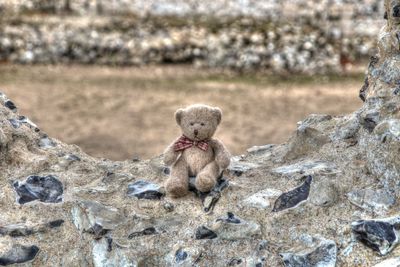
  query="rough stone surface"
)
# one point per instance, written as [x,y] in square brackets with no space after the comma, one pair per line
[353,161]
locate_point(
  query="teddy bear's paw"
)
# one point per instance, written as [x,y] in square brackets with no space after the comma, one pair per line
[204,182]
[176,190]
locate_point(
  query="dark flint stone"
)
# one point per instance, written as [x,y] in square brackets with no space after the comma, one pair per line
[364,89]
[72,157]
[98,231]
[237,171]
[230,218]
[46,189]
[377,235]
[235,261]
[396,11]
[204,233]
[372,63]
[144,190]
[109,243]
[180,255]
[147,231]
[385,15]
[370,121]
[16,232]
[166,171]
[19,254]
[15,123]
[56,223]
[292,198]
[9,104]
[263,245]
[135,159]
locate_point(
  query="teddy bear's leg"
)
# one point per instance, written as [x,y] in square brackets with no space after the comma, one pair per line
[207,177]
[177,184]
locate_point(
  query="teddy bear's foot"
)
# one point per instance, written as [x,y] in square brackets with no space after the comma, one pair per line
[176,189]
[204,182]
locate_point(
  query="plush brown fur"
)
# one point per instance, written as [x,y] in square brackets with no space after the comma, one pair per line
[205,165]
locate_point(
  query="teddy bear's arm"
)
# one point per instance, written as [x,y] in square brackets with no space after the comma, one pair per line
[222,155]
[170,155]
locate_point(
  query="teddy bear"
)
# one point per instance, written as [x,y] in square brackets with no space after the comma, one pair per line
[195,152]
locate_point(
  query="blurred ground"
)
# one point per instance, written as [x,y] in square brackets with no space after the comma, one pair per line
[119,113]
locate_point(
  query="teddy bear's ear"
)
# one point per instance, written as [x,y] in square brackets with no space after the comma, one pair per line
[178,116]
[217,114]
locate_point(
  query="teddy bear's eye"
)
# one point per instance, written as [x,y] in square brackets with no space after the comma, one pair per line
[202,124]
[192,123]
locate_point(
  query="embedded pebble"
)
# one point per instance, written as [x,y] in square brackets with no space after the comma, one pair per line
[16,123]
[144,190]
[324,255]
[388,130]
[324,192]
[259,149]
[45,143]
[46,189]
[72,157]
[97,231]
[231,218]
[66,160]
[234,228]
[180,255]
[17,230]
[348,128]
[238,166]
[147,231]
[235,261]
[378,201]
[262,199]
[294,197]
[369,121]
[381,235]
[306,168]
[19,254]
[169,207]
[9,104]
[94,217]
[104,255]
[205,233]
[166,171]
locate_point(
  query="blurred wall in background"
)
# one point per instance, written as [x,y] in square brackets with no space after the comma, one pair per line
[301,36]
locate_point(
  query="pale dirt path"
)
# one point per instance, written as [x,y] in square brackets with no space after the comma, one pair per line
[121,112]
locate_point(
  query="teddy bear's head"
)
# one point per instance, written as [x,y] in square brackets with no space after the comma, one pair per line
[198,122]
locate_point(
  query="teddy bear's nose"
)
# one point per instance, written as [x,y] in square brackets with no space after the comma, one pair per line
[196,132]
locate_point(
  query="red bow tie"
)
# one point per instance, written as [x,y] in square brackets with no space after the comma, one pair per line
[184,142]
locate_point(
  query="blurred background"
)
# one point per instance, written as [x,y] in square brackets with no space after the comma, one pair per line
[108,75]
